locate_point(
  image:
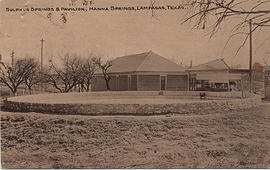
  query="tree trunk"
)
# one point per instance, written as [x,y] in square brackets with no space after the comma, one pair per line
[82,87]
[88,83]
[14,92]
[88,88]
[107,85]
[29,89]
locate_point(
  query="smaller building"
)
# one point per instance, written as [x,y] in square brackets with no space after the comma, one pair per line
[215,75]
[143,72]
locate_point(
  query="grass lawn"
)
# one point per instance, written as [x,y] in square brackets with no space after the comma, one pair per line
[231,140]
[86,98]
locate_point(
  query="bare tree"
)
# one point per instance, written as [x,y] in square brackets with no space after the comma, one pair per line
[212,14]
[34,76]
[104,66]
[14,75]
[88,69]
[65,77]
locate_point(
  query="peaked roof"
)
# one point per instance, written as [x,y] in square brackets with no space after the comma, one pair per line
[218,64]
[144,62]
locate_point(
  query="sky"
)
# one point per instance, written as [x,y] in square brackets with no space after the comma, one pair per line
[112,34]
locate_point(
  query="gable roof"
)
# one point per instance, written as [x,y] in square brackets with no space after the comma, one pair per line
[218,64]
[144,62]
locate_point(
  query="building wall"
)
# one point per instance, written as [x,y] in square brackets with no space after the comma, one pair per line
[113,83]
[148,82]
[123,83]
[133,83]
[99,84]
[141,83]
[177,82]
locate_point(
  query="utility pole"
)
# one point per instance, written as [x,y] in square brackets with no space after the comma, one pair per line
[250,55]
[12,59]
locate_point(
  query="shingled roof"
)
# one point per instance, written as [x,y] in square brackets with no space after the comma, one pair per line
[218,64]
[144,62]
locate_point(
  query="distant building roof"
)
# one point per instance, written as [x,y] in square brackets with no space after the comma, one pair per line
[218,64]
[144,62]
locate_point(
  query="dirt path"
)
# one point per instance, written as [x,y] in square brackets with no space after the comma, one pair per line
[231,140]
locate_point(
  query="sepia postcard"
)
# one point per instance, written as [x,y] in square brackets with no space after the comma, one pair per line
[135,84]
